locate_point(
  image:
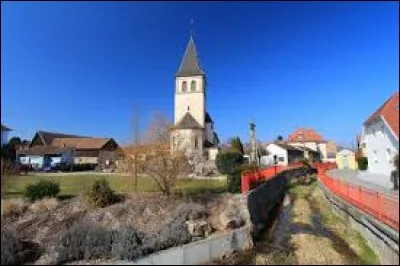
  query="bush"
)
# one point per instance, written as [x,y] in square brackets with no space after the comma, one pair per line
[45,204]
[13,207]
[395,173]
[83,242]
[362,163]
[229,161]
[306,163]
[235,181]
[42,189]
[101,194]
[16,252]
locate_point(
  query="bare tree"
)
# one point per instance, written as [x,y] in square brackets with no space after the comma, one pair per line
[158,161]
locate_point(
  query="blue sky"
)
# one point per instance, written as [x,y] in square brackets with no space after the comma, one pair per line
[82,67]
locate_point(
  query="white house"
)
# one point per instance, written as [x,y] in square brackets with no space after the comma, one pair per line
[193,127]
[381,137]
[286,154]
[4,134]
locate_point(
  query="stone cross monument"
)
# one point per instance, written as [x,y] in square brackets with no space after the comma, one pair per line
[253,152]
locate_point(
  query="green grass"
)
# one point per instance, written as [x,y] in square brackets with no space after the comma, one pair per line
[73,185]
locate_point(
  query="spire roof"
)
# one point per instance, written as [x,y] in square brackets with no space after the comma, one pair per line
[190,64]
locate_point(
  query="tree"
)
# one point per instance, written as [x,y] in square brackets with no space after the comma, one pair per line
[158,161]
[9,150]
[236,145]
[395,173]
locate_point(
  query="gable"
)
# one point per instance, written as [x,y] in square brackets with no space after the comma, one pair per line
[37,141]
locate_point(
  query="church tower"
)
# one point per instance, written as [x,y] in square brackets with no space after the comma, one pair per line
[193,127]
[190,87]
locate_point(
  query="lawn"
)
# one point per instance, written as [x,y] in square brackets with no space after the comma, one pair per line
[72,185]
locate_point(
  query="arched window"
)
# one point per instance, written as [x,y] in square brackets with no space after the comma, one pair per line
[184,86]
[193,85]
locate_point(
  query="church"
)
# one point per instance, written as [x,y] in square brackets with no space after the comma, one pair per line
[193,128]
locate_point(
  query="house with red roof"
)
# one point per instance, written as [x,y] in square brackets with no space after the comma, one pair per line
[380,137]
[311,139]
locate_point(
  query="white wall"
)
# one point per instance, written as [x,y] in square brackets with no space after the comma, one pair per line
[212,153]
[184,139]
[381,146]
[194,100]
[82,160]
[274,149]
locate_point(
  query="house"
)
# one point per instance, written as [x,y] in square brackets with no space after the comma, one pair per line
[286,154]
[49,148]
[346,159]
[381,136]
[307,137]
[193,129]
[4,134]
[331,151]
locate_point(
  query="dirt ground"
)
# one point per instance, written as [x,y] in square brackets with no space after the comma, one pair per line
[148,213]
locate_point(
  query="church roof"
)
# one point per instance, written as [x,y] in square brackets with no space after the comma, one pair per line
[190,64]
[208,118]
[188,121]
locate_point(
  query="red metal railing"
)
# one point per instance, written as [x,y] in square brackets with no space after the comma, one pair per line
[384,208]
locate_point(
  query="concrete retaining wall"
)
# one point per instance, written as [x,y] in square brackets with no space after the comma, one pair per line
[199,252]
[383,239]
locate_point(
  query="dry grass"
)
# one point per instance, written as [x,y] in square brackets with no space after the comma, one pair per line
[13,207]
[315,250]
[45,204]
[301,211]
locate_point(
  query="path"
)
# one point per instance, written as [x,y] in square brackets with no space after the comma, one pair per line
[376,182]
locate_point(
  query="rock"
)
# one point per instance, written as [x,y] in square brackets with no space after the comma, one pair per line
[230,221]
[199,228]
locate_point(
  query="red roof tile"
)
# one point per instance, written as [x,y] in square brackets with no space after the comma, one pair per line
[390,112]
[305,134]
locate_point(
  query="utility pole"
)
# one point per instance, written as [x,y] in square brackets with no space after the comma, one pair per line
[136,140]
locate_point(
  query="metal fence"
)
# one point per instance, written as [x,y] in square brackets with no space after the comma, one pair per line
[383,207]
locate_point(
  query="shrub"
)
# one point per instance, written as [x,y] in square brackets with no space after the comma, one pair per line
[235,181]
[10,247]
[42,189]
[13,207]
[101,194]
[17,252]
[362,163]
[45,204]
[82,241]
[227,162]
[306,163]
[127,244]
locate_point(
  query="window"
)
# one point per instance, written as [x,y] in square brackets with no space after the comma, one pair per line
[193,85]
[188,108]
[196,143]
[184,86]
[281,159]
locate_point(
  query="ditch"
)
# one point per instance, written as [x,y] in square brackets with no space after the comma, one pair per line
[304,231]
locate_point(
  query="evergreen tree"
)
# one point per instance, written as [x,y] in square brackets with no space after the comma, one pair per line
[236,145]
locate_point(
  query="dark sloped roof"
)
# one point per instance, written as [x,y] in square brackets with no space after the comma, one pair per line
[208,118]
[287,147]
[188,121]
[81,143]
[4,128]
[48,137]
[190,64]
[42,150]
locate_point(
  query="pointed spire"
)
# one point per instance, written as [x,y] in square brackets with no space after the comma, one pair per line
[190,64]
